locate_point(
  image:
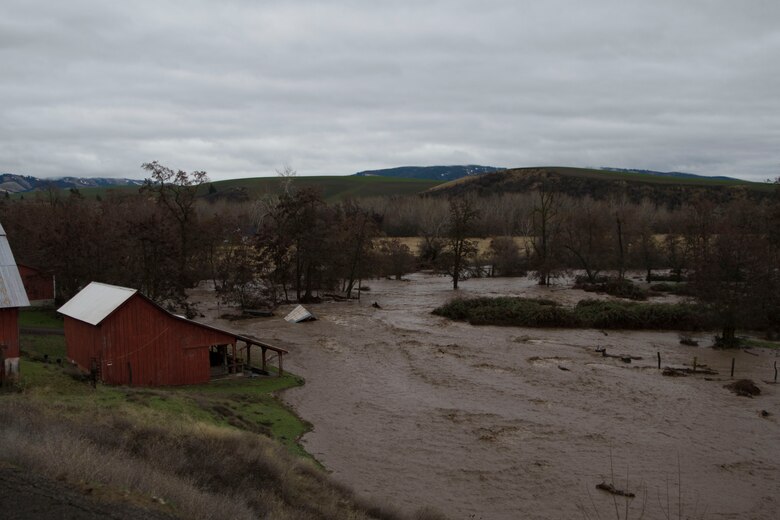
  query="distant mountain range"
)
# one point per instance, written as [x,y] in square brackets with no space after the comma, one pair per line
[12,183]
[436,173]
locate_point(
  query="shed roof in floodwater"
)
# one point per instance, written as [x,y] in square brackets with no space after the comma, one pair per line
[299,314]
[96,302]
[12,293]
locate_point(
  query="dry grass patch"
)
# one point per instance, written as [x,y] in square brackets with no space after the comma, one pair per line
[193,470]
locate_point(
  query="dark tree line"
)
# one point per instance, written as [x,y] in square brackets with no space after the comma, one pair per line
[164,240]
[295,246]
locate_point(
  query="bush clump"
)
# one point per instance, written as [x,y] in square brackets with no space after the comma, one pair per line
[527,312]
[680,289]
[621,288]
[522,312]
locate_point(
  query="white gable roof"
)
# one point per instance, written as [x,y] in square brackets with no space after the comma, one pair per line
[299,314]
[96,302]
[12,293]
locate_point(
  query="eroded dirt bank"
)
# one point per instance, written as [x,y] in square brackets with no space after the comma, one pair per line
[482,422]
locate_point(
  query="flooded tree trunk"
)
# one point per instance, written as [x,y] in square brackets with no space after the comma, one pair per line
[728,336]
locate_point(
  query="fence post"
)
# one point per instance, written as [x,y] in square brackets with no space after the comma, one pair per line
[732,368]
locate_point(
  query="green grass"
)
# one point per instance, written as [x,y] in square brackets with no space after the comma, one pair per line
[35,346]
[37,317]
[251,401]
[243,403]
[758,343]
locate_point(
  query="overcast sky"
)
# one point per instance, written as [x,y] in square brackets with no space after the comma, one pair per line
[241,88]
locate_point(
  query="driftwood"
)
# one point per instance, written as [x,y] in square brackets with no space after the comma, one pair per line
[676,372]
[609,488]
[561,367]
[623,358]
[746,351]
[337,297]
[376,305]
[265,313]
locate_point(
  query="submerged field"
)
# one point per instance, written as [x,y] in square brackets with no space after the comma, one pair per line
[508,422]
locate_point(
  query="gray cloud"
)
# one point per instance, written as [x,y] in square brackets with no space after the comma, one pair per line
[239,88]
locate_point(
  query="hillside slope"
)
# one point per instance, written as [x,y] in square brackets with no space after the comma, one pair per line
[438,173]
[333,188]
[600,184]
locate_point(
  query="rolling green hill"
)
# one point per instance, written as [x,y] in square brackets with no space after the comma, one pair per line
[439,173]
[600,184]
[333,188]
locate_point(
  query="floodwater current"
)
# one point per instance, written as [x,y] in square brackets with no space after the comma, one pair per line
[414,410]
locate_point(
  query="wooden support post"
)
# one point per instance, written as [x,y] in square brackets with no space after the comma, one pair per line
[281,364]
[235,359]
[659,361]
[263,349]
[775,371]
[732,367]
[694,363]
[249,355]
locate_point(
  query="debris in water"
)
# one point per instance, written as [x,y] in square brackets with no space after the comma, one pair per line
[609,488]
[299,314]
[744,387]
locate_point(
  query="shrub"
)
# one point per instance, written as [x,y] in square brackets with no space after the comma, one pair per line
[680,289]
[621,288]
[528,312]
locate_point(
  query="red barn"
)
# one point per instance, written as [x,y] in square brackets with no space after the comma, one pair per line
[38,284]
[12,296]
[128,339]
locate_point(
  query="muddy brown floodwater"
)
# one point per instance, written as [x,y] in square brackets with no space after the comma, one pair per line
[483,422]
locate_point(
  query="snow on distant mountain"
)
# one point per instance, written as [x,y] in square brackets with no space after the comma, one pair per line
[13,183]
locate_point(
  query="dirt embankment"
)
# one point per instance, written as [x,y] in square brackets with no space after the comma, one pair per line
[27,495]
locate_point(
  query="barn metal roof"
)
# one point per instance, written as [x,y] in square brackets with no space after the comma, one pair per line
[12,292]
[96,302]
